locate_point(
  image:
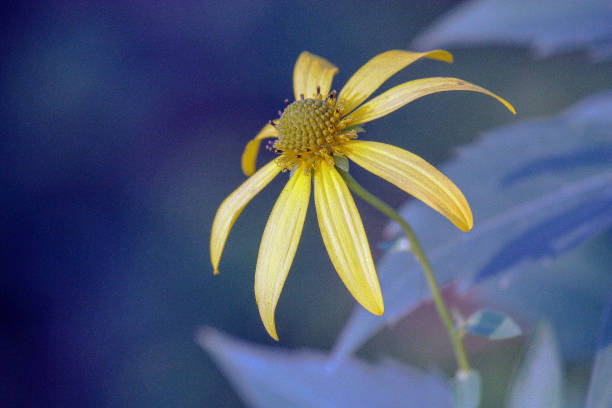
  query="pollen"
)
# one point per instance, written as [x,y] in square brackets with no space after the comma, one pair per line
[310,130]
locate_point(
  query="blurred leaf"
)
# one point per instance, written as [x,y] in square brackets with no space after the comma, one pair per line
[548,26]
[466,389]
[539,380]
[538,189]
[600,390]
[569,290]
[492,325]
[271,377]
[399,244]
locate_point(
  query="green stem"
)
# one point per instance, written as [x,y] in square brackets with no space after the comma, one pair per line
[417,250]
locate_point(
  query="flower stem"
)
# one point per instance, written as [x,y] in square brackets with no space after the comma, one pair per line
[417,250]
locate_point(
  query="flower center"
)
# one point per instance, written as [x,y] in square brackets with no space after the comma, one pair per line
[310,130]
[307,125]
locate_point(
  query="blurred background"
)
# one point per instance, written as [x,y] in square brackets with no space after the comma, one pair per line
[122,126]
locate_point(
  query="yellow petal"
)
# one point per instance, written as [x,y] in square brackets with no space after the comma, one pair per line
[249,156]
[233,205]
[377,70]
[311,71]
[345,238]
[415,176]
[407,92]
[279,243]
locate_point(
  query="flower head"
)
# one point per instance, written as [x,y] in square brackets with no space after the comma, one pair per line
[318,126]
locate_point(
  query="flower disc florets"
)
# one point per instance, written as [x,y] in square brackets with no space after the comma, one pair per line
[310,130]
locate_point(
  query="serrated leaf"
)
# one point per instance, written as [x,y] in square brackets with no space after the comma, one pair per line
[539,380]
[492,325]
[466,389]
[272,377]
[600,389]
[538,189]
[548,26]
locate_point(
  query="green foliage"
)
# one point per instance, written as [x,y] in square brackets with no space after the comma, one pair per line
[492,325]
[270,377]
[539,380]
[341,162]
[600,390]
[538,189]
[548,26]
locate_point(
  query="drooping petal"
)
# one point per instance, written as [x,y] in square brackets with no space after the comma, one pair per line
[415,176]
[376,71]
[345,238]
[233,205]
[407,92]
[249,156]
[311,71]
[279,243]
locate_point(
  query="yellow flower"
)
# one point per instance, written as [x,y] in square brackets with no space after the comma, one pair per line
[309,133]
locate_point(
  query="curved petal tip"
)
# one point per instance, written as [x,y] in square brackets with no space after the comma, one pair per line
[270,328]
[467,224]
[378,309]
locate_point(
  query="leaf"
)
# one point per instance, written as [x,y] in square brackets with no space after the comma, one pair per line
[466,389]
[539,380]
[538,189]
[548,26]
[492,325]
[341,162]
[600,389]
[271,377]
[398,244]
[569,290]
